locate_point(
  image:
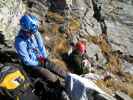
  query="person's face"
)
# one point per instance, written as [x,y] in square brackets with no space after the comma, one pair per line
[29,34]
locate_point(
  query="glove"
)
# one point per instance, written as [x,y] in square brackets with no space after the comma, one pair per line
[85,62]
[41,59]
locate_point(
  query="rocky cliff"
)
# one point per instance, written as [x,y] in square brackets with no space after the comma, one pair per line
[106,25]
[10,12]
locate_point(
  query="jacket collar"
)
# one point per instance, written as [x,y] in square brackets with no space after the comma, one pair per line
[23,35]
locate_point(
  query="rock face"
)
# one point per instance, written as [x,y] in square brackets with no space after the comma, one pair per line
[118,17]
[110,18]
[10,12]
[37,7]
[95,52]
[127,67]
[120,25]
[113,18]
[117,14]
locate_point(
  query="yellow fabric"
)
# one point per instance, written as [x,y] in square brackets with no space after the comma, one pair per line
[17,98]
[10,82]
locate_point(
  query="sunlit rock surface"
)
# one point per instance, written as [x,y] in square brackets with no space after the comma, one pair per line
[114,49]
[10,13]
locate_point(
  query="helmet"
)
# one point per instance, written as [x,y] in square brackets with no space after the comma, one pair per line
[29,23]
[80,46]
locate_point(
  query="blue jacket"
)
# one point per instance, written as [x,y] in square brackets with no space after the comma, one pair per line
[28,48]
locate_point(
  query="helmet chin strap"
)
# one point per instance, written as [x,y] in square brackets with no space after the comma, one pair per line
[28,34]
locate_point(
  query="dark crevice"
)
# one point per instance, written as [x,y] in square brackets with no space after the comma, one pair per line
[128,58]
[30,4]
[8,57]
[2,40]
[99,17]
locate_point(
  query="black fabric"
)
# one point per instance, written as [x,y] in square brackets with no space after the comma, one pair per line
[76,62]
[40,72]
[5,98]
[47,91]
[23,92]
[28,95]
[55,69]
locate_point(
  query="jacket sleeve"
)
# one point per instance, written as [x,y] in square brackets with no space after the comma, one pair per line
[21,48]
[41,45]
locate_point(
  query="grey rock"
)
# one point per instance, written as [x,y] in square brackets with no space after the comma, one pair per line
[1,46]
[122,96]
[84,10]
[120,37]
[119,20]
[93,51]
[10,12]
[127,67]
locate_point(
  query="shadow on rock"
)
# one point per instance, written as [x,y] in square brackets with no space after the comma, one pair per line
[2,38]
[8,57]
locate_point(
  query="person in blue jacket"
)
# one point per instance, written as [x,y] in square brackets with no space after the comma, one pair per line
[32,52]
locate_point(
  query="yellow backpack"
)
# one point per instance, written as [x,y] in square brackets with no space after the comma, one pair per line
[13,81]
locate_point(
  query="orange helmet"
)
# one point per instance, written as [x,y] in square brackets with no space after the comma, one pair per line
[80,46]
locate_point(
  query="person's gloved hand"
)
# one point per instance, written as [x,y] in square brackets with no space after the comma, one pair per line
[86,62]
[41,59]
